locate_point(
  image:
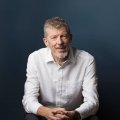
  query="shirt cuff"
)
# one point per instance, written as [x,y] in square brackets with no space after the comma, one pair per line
[33,108]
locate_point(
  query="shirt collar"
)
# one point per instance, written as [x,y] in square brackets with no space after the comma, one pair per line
[50,58]
[71,57]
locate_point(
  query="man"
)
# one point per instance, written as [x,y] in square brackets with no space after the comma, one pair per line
[61,81]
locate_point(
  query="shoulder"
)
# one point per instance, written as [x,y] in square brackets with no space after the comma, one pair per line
[82,54]
[40,53]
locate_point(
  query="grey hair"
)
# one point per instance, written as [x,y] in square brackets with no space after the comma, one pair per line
[55,22]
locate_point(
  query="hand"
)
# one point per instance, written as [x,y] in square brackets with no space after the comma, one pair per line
[52,113]
[70,114]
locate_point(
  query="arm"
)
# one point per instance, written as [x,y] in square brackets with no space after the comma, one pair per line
[90,95]
[31,88]
[52,113]
[31,93]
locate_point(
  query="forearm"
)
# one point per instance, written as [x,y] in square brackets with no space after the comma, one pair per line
[87,109]
[90,94]
[30,105]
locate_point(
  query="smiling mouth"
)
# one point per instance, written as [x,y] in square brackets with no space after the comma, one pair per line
[61,50]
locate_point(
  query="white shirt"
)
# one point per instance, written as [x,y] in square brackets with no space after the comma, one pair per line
[73,85]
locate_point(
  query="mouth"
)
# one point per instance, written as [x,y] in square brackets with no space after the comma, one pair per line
[61,49]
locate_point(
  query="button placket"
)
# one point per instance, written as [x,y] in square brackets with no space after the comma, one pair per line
[59,88]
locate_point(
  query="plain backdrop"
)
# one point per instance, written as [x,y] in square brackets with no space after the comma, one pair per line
[95,25]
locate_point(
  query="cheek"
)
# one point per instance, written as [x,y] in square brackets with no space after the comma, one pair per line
[67,42]
[51,46]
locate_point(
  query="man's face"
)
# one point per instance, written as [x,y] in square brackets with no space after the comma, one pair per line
[58,40]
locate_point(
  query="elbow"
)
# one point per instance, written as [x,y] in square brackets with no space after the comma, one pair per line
[95,108]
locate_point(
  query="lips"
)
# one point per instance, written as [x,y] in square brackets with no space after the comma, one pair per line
[61,49]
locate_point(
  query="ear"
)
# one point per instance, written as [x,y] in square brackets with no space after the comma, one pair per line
[45,41]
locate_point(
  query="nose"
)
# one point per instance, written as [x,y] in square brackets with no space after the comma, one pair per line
[59,40]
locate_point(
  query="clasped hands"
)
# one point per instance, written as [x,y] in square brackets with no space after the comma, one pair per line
[56,113]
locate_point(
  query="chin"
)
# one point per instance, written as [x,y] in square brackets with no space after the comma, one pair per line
[62,55]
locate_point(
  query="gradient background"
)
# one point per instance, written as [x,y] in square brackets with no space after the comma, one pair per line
[95,25]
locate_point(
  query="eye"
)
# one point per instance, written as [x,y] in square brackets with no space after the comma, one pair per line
[65,36]
[53,37]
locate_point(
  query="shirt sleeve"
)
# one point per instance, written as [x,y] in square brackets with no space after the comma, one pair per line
[31,88]
[90,94]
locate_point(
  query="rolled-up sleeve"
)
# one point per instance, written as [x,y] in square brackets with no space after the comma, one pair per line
[31,88]
[90,94]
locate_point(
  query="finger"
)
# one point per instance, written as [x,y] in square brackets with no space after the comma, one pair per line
[62,116]
[54,118]
[59,110]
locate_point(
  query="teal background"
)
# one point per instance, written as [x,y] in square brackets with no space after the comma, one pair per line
[95,25]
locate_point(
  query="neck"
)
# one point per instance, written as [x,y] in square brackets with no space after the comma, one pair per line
[60,60]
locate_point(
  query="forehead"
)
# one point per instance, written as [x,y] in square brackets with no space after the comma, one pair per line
[52,30]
